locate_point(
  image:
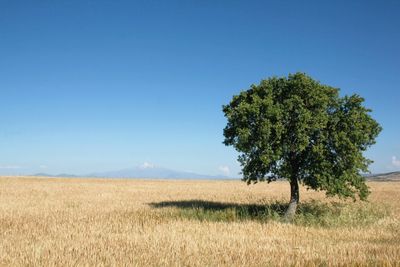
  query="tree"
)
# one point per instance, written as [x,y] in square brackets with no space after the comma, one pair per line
[299,129]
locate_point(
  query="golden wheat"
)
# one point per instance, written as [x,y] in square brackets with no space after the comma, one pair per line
[65,222]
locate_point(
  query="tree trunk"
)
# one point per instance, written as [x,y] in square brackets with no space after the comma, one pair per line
[294,199]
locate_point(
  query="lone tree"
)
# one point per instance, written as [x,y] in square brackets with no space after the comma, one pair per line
[297,128]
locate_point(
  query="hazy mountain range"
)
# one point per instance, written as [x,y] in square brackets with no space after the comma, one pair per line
[145,170]
[148,171]
[389,176]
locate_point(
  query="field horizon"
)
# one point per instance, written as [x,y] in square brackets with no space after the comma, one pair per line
[72,221]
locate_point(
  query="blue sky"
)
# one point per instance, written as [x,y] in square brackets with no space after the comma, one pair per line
[102,85]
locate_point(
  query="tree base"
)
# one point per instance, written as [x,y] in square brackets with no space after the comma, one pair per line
[290,212]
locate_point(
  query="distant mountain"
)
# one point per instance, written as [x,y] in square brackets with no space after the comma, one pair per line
[389,176]
[146,171]
[150,171]
[66,175]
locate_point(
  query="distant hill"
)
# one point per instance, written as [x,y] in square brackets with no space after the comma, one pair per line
[66,175]
[149,171]
[145,171]
[389,176]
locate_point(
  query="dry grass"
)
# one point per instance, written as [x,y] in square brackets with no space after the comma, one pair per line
[68,222]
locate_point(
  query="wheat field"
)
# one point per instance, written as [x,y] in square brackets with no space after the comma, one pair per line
[108,222]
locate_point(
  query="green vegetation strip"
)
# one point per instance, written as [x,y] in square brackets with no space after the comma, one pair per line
[313,213]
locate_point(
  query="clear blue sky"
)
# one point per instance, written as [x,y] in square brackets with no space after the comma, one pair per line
[103,85]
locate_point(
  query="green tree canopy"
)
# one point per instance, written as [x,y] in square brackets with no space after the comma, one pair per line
[299,129]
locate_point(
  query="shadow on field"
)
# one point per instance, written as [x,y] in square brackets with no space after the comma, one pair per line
[220,211]
[311,213]
[250,209]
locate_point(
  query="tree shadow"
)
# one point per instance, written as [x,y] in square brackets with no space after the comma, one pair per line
[221,211]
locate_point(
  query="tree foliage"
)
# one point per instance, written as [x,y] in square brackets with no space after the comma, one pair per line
[297,128]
